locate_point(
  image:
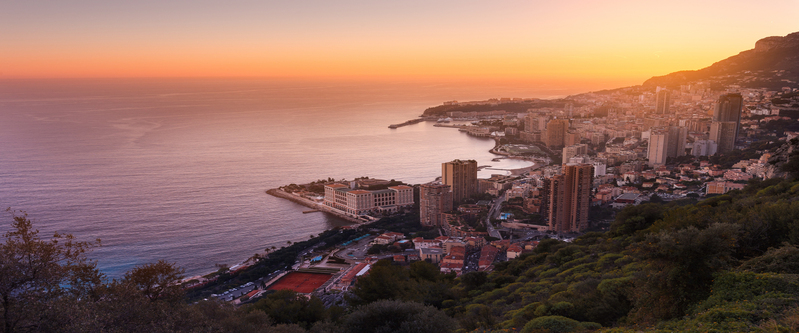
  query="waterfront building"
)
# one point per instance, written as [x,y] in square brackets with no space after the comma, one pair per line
[568,198]
[726,120]
[362,202]
[435,199]
[461,176]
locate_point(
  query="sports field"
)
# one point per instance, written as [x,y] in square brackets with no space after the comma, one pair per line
[300,282]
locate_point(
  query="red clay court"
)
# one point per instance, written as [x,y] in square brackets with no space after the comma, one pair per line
[300,282]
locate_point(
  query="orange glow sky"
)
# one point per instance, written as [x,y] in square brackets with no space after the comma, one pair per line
[619,41]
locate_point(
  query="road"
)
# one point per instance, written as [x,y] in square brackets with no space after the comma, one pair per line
[494,213]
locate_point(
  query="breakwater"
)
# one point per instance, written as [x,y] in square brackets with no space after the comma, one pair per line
[409,122]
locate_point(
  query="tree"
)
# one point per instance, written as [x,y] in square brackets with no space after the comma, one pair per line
[36,273]
[157,281]
[679,268]
[288,307]
[398,317]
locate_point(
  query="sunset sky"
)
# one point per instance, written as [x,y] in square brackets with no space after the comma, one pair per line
[625,41]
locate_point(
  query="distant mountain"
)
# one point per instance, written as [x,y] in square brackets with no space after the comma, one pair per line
[773,63]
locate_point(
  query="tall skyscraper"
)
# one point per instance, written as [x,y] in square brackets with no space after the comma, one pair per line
[677,138]
[434,199]
[462,177]
[726,119]
[579,181]
[657,151]
[662,101]
[728,108]
[568,197]
[556,133]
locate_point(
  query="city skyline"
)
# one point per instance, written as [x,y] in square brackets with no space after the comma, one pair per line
[607,44]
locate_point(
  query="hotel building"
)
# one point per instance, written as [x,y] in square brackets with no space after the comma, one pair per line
[361,202]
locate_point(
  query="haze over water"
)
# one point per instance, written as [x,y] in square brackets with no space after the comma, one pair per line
[177,169]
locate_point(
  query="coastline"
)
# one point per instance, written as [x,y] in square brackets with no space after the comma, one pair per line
[276,192]
[317,206]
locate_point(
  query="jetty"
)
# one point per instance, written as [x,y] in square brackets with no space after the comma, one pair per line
[409,122]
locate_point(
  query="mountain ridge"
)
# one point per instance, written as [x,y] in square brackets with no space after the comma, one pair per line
[770,54]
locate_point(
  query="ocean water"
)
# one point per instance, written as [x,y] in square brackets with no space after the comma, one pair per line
[176,169]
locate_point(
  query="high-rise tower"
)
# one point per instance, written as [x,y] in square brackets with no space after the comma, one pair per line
[658,149]
[461,176]
[677,138]
[568,197]
[662,101]
[434,199]
[726,119]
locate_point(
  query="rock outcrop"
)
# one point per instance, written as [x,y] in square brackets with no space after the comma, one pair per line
[780,157]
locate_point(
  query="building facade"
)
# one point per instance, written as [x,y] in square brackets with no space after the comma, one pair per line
[662,101]
[657,151]
[434,200]
[556,133]
[568,198]
[726,120]
[361,202]
[677,139]
[461,176]
[574,150]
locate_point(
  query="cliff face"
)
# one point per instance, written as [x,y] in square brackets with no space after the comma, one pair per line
[770,54]
[781,157]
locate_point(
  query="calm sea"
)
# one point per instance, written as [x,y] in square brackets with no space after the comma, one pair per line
[177,169]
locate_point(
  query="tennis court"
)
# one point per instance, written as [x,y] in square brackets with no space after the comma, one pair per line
[300,282]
